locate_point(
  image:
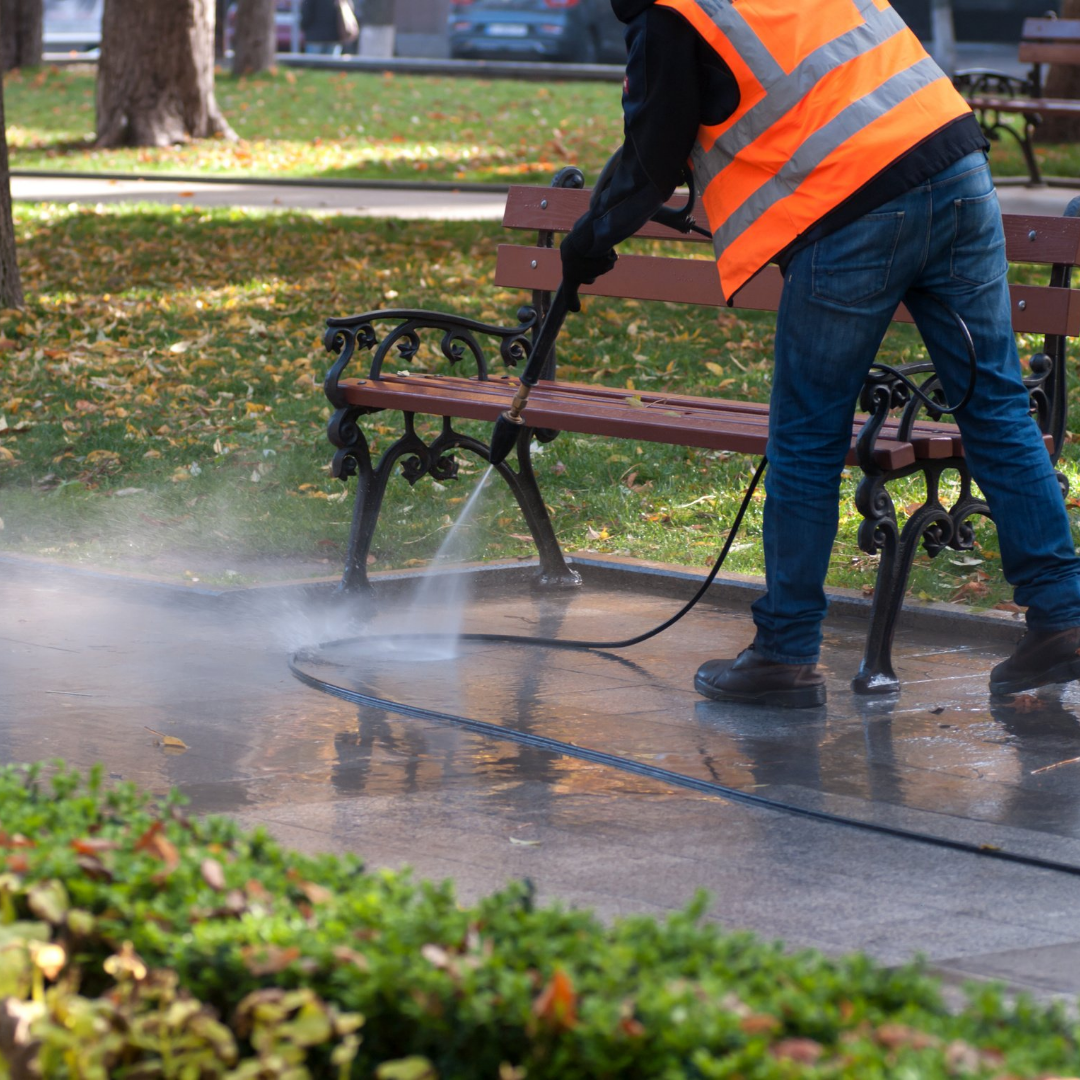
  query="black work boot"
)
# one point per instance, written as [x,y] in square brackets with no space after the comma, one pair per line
[753,679]
[1042,657]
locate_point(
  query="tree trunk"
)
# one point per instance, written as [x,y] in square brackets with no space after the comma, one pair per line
[20,43]
[11,295]
[155,82]
[1062,81]
[255,41]
[221,8]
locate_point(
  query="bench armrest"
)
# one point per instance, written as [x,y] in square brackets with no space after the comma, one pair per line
[980,82]
[883,392]
[403,342]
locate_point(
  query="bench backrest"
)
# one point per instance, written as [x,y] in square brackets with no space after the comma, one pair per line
[1037,309]
[1050,41]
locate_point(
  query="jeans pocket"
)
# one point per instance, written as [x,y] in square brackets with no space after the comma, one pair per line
[978,251]
[852,265]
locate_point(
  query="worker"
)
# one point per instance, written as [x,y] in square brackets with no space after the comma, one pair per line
[821,136]
[328,25]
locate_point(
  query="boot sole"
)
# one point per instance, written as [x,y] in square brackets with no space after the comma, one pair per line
[1066,671]
[798,697]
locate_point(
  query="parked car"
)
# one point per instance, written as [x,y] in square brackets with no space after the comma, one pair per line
[72,25]
[286,16]
[581,31]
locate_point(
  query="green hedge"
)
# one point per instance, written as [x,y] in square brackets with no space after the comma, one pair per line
[138,942]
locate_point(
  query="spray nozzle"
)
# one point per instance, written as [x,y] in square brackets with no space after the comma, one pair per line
[508,427]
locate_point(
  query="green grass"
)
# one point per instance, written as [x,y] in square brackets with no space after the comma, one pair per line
[349,125]
[1055,159]
[327,125]
[162,409]
[157,338]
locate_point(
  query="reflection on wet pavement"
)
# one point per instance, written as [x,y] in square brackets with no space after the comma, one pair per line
[943,746]
[89,669]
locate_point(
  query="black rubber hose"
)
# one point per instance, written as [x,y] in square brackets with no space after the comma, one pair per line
[650,771]
[625,643]
[653,772]
[666,776]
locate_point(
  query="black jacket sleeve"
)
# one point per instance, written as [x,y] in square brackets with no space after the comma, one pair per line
[670,90]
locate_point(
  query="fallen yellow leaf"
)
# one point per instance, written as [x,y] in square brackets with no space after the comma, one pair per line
[170,742]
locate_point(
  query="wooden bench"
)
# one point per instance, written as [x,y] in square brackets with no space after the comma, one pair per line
[997,97]
[892,438]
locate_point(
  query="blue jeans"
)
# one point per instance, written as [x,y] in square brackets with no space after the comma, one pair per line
[945,238]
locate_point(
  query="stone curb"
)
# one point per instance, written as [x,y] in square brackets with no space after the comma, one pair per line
[657,579]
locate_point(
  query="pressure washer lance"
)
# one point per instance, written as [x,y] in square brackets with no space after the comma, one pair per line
[508,426]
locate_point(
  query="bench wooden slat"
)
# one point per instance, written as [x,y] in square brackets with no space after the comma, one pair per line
[598,395]
[1050,29]
[705,423]
[1057,239]
[1048,52]
[1047,106]
[736,426]
[526,209]
[694,281]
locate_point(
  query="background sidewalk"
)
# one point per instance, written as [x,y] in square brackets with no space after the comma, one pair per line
[408,203]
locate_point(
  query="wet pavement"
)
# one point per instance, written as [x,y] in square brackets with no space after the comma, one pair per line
[91,667]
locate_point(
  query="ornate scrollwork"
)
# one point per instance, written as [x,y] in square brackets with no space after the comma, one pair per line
[938,532]
[885,391]
[934,524]
[963,535]
[980,83]
[439,468]
[515,350]
[878,526]
[460,340]
[345,433]
[881,393]
[344,340]
[1039,384]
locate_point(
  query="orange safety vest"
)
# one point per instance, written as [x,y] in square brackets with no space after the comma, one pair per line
[832,92]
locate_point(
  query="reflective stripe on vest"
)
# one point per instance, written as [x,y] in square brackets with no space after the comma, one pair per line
[831,92]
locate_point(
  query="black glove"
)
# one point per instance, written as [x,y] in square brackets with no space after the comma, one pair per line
[579,269]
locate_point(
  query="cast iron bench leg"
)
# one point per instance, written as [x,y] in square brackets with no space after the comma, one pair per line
[366,506]
[1027,145]
[935,526]
[880,534]
[554,571]
[367,503]
[437,459]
